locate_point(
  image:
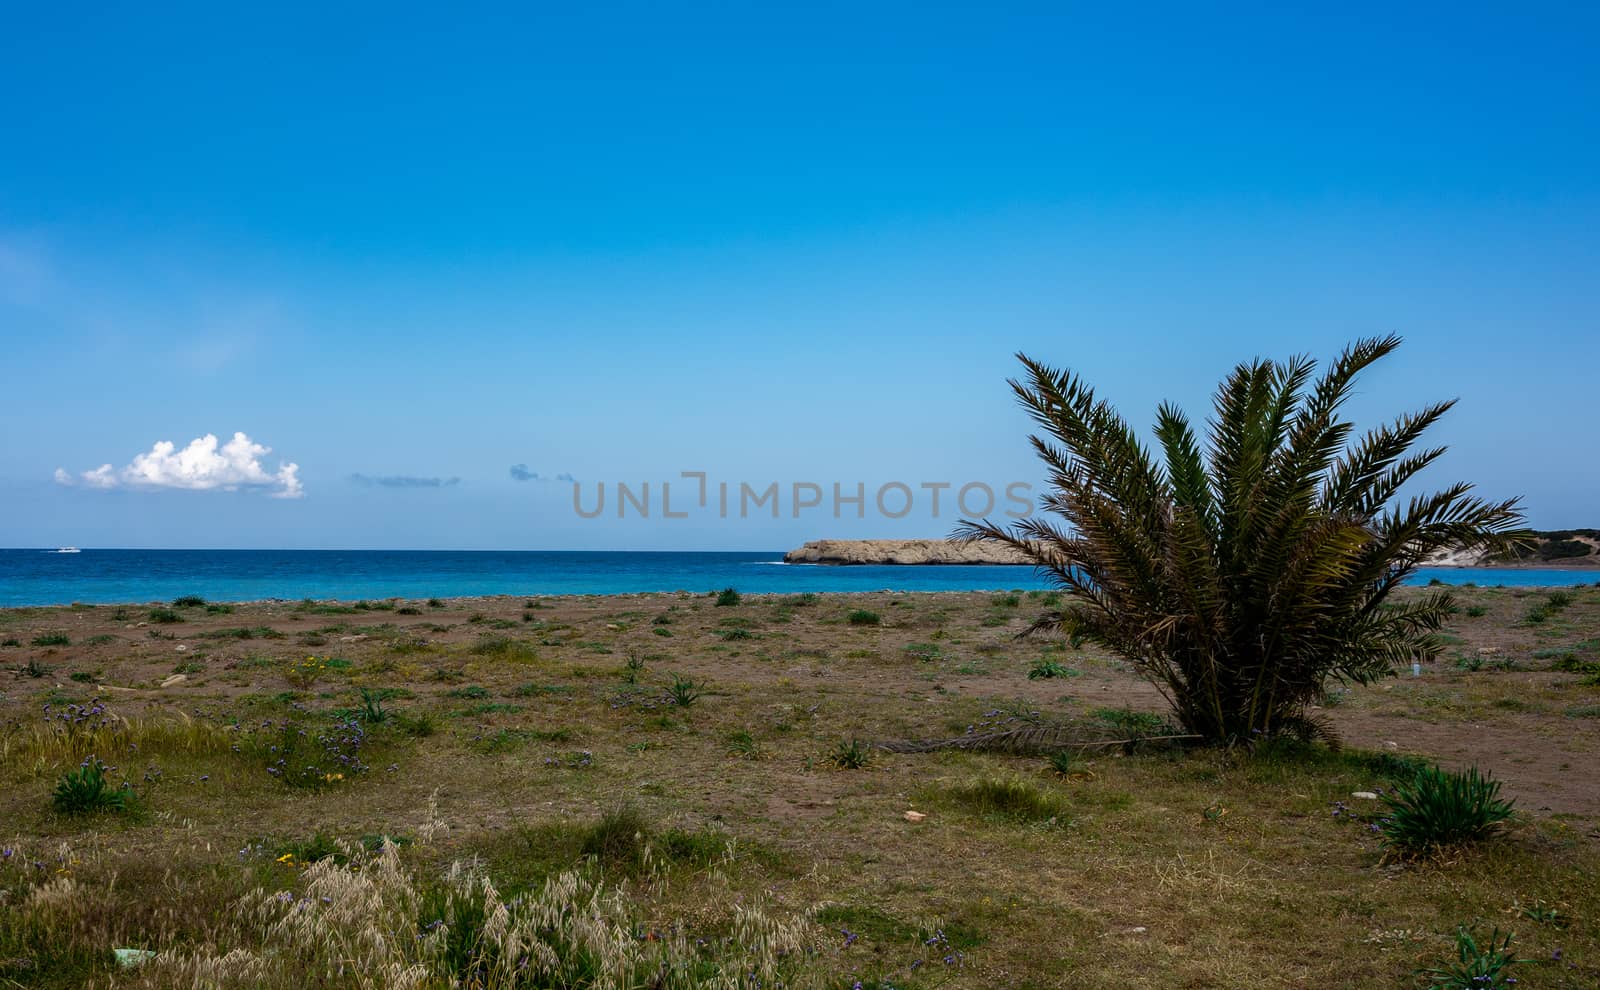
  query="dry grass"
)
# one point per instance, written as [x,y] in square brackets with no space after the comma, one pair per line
[1149,870]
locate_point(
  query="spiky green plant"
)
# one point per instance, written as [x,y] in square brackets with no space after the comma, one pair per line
[1241,577]
[1476,967]
[683,691]
[850,754]
[1438,808]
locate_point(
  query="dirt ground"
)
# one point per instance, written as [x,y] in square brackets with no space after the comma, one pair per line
[523,716]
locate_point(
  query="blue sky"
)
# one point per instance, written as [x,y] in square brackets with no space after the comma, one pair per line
[407,249]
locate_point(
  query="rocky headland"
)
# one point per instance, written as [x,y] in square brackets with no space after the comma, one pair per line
[902,552]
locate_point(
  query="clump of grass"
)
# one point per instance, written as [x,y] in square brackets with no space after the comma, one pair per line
[618,839]
[244,632]
[1476,967]
[1007,601]
[925,652]
[1047,669]
[1063,762]
[1476,611]
[505,648]
[531,690]
[188,601]
[88,790]
[632,668]
[52,639]
[374,921]
[471,692]
[863,617]
[35,668]
[1011,799]
[850,754]
[728,596]
[729,635]
[1439,808]
[165,616]
[418,725]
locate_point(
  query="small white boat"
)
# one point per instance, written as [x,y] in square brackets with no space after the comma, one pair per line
[68,550]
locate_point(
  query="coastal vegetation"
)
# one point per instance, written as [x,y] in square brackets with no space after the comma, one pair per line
[1246,575]
[899,804]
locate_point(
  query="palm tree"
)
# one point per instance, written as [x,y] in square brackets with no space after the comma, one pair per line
[1243,577]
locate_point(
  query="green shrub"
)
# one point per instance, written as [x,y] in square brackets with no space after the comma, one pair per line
[862,617]
[728,596]
[618,839]
[1476,611]
[1558,549]
[52,639]
[1439,808]
[165,616]
[87,790]
[735,634]
[188,601]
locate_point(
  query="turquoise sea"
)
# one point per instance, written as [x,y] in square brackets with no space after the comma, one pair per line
[45,577]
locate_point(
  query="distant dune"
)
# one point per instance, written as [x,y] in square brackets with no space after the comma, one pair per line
[1578,548]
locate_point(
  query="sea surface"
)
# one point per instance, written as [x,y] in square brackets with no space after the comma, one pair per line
[45,577]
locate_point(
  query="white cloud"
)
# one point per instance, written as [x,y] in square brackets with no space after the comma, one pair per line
[201,466]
